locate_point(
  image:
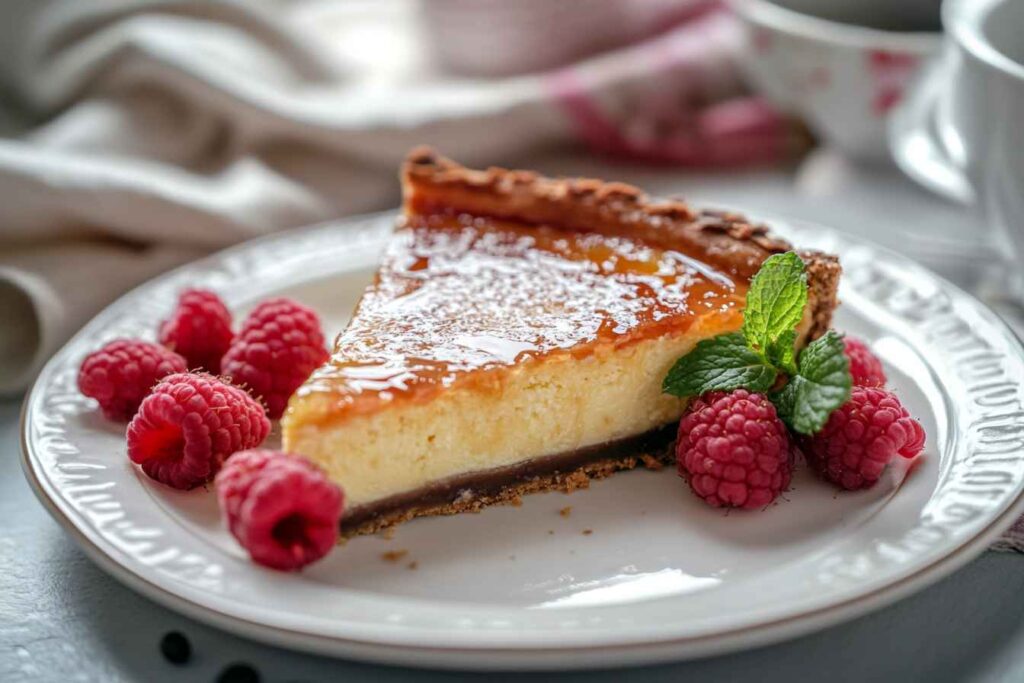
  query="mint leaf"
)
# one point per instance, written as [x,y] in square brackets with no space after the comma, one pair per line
[722,363]
[775,306]
[782,353]
[821,385]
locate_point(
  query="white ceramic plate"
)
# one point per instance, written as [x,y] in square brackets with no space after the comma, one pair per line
[660,577]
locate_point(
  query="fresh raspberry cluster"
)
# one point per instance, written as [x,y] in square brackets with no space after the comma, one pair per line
[184,426]
[121,373]
[189,424]
[736,452]
[199,329]
[279,345]
[280,507]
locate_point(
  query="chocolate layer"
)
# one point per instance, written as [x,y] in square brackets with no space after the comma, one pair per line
[473,490]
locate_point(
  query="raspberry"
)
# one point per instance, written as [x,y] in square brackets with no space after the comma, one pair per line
[121,374]
[282,508]
[199,329]
[279,345]
[189,424]
[865,369]
[734,450]
[861,437]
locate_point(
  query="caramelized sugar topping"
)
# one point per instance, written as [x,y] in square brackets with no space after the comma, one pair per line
[456,295]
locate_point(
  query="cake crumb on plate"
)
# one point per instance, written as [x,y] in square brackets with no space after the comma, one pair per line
[393,555]
[652,463]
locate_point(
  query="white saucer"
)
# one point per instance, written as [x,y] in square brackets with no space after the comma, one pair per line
[660,577]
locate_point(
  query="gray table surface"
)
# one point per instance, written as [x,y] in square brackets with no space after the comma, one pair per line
[62,619]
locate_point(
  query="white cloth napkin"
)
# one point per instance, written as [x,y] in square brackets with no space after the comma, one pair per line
[173,128]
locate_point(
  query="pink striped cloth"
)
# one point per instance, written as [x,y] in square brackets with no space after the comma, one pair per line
[666,88]
[676,99]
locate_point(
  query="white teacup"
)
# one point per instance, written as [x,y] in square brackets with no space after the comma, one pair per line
[960,130]
[841,65]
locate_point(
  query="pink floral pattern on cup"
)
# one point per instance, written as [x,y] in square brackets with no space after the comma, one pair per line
[891,71]
[842,79]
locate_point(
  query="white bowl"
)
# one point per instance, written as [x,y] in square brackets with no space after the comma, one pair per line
[843,79]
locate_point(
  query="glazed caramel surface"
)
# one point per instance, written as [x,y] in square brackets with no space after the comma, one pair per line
[459,295]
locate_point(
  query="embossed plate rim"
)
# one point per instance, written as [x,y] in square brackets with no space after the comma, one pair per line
[501,647]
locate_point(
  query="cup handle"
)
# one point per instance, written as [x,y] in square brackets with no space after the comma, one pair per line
[916,143]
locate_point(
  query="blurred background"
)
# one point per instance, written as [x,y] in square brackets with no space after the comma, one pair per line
[140,134]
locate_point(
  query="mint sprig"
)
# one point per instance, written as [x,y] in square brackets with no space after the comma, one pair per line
[775,305]
[819,378]
[821,384]
[722,363]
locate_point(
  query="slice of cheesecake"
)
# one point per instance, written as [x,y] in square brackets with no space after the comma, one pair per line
[516,336]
